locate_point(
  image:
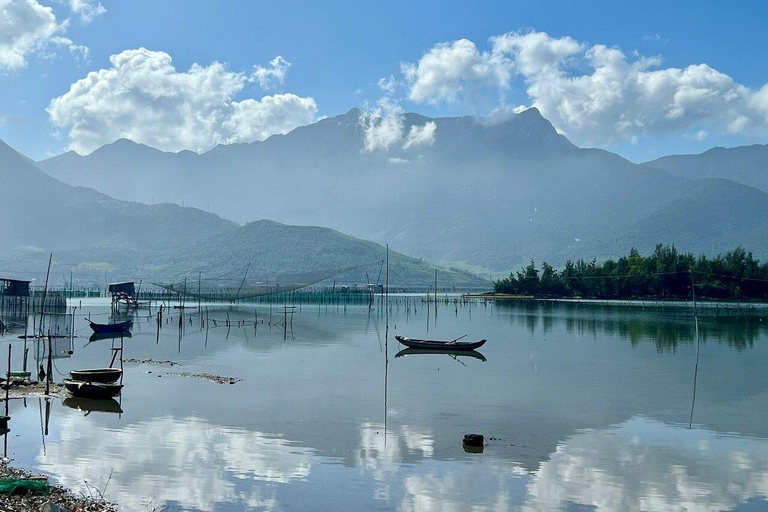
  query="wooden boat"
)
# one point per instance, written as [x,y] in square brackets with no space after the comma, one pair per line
[102,375]
[434,344]
[427,351]
[116,327]
[92,389]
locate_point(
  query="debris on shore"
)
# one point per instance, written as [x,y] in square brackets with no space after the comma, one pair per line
[25,388]
[152,361]
[218,379]
[57,499]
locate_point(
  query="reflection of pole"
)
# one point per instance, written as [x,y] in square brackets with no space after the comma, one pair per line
[696,367]
[47,414]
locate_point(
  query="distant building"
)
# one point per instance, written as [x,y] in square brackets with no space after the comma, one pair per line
[123,292]
[14,288]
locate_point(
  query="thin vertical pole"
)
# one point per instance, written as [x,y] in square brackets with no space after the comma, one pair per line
[45,294]
[8,381]
[387,284]
[49,377]
[435,288]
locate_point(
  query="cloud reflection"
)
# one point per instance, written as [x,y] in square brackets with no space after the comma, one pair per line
[188,461]
[645,465]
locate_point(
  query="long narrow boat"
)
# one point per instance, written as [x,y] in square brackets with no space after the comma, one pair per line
[116,327]
[435,344]
[103,375]
[92,389]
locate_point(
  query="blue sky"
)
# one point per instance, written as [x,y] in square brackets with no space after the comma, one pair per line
[338,51]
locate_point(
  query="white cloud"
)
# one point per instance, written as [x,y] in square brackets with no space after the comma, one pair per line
[80,53]
[87,9]
[272,77]
[393,160]
[421,135]
[27,28]
[594,94]
[387,84]
[447,70]
[144,98]
[383,126]
[258,119]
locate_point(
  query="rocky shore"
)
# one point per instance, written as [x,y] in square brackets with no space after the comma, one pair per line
[58,500]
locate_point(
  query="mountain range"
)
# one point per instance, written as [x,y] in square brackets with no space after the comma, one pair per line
[487,196]
[92,233]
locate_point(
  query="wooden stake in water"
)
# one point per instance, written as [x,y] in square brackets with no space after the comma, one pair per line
[45,293]
[49,377]
[8,381]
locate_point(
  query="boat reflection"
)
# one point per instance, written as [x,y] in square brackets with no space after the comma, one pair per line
[109,336]
[90,405]
[453,353]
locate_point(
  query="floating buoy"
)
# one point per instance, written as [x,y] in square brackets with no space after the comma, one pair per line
[474,440]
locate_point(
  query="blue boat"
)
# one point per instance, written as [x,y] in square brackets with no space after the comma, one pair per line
[109,328]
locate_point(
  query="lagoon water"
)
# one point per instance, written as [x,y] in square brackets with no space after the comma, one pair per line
[583,407]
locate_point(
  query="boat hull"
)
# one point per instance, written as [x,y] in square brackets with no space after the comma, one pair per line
[101,375]
[440,345]
[92,389]
[111,328]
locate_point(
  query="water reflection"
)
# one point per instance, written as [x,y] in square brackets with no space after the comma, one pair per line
[89,405]
[186,461]
[666,329]
[646,465]
[452,353]
[328,420]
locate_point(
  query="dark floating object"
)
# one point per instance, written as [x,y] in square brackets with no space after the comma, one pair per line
[100,375]
[111,328]
[434,344]
[96,336]
[93,405]
[97,390]
[473,443]
[451,352]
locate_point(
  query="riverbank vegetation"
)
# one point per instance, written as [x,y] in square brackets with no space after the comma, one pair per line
[665,274]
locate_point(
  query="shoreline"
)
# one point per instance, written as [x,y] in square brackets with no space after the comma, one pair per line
[63,498]
[637,302]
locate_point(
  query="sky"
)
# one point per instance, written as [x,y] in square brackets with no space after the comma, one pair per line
[643,79]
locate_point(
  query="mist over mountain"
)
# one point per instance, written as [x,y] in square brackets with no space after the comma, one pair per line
[745,164]
[94,233]
[482,194]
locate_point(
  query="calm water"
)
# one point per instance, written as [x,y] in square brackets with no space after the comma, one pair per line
[586,408]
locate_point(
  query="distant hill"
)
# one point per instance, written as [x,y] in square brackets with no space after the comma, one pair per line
[483,195]
[275,249]
[96,234]
[744,164]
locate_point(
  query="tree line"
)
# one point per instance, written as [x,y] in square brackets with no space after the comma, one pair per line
[665,274]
